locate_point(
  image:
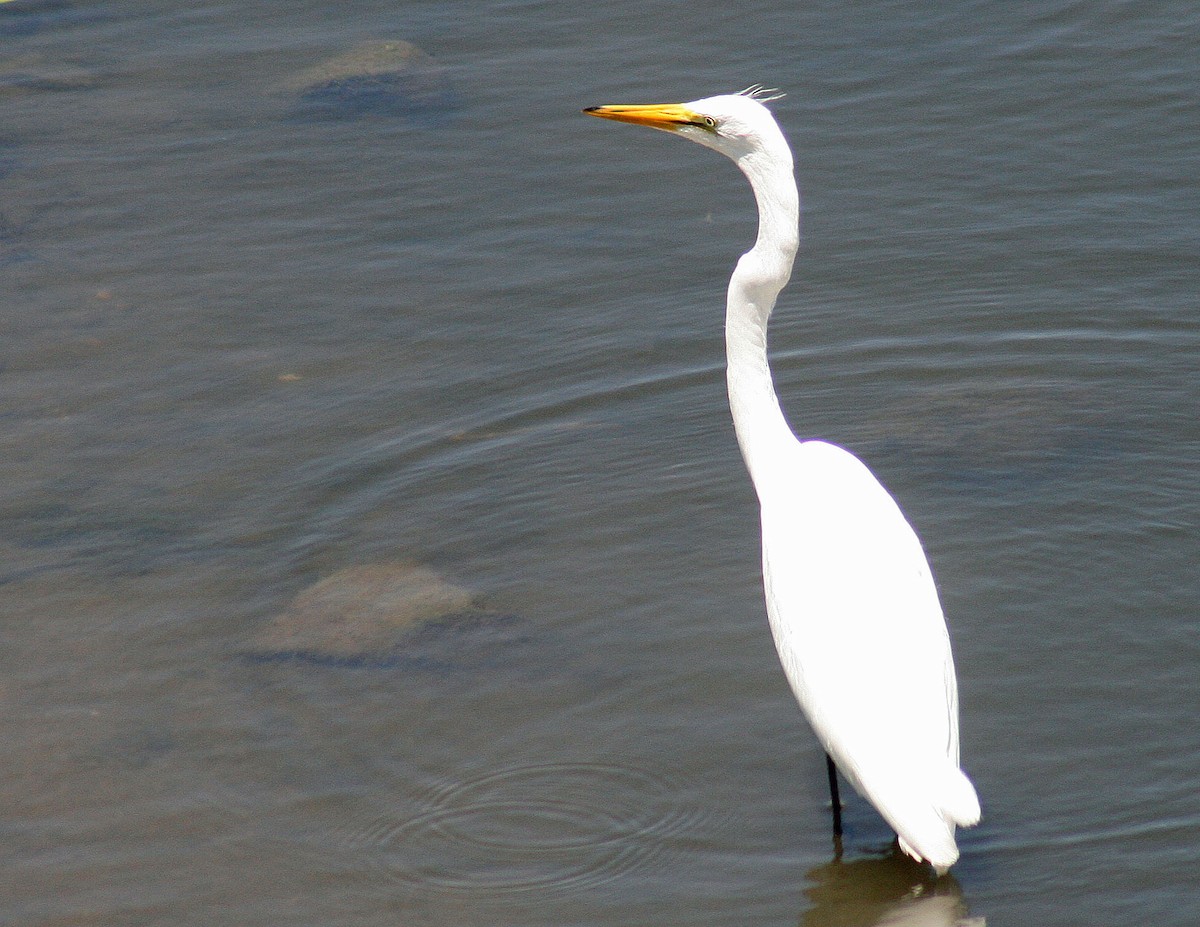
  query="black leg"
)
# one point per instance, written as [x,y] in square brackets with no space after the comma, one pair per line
[833,796]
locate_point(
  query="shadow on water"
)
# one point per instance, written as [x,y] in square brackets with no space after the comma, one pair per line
[890,890]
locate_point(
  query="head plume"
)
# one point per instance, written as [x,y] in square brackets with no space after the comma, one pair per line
[762,94]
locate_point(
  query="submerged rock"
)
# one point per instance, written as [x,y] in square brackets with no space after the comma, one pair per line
[998,434]
[361,612]
[394,78]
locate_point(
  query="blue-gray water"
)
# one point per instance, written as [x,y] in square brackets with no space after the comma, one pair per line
[259,332]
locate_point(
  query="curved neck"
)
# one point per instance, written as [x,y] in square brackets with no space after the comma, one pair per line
[762,431]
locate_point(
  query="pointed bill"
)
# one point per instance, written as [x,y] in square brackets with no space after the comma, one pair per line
[669,117]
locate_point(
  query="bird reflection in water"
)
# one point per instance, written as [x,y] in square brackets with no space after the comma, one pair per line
[884,891]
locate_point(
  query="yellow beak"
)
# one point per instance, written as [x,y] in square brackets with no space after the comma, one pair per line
[666,116]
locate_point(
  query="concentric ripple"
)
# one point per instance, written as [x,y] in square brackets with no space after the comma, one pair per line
[555,826]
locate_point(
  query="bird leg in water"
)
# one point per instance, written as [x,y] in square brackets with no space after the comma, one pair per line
[835,801]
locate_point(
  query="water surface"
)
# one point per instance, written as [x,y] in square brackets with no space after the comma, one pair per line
[246,347]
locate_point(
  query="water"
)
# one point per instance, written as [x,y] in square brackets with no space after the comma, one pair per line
[248,345]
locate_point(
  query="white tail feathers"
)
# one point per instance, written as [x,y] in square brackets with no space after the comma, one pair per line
[928,831]
[957,800]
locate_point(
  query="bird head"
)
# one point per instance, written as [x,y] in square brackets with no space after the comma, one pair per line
[736,124]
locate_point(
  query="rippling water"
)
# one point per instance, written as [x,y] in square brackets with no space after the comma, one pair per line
[264,323]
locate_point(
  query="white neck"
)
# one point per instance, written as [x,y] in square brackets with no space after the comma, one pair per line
[762,431]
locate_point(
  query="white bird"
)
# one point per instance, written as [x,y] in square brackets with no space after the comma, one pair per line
[850,596]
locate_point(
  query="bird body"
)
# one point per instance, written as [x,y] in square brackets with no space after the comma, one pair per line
[850,596]
[863,643]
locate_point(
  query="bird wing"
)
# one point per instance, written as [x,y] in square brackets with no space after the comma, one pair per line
[861,635]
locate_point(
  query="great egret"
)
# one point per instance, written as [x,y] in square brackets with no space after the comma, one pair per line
[850,597]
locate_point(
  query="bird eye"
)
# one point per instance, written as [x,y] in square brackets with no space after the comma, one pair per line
[709,122]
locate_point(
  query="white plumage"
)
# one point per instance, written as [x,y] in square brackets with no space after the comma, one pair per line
[850,595]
